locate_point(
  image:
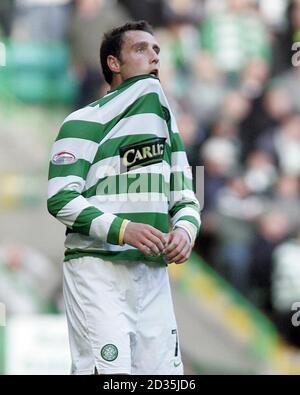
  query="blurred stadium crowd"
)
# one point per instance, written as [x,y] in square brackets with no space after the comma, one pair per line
[226,66]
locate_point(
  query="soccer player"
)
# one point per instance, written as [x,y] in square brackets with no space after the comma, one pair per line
[119,180]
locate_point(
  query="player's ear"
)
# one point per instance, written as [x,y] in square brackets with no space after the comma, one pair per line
[113,63]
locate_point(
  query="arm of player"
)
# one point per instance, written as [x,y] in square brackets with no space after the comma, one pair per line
[71,158]
[184,207]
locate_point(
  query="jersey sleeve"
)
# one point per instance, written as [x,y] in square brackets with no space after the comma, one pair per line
[71,157]
[184,208]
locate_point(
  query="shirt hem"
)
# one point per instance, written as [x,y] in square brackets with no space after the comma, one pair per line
[130,255]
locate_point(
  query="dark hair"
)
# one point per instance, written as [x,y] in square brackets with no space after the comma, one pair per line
[112,43]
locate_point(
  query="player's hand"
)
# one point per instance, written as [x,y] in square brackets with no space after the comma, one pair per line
[179,246]
[146,238]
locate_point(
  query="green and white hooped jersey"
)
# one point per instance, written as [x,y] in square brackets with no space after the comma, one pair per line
[120,158]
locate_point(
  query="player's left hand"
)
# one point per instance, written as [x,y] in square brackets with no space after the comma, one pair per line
[179,246]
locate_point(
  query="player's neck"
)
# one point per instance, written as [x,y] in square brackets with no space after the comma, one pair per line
[116,81]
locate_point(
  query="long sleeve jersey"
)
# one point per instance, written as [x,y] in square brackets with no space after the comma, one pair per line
[120,158]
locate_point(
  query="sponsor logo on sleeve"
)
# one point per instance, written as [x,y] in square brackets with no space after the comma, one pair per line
[64,158]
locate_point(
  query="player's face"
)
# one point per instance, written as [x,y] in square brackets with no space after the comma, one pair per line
[139,55]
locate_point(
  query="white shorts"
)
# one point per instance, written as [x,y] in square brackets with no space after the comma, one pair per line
[120,318]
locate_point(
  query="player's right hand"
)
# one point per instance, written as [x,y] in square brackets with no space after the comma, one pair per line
[146,238]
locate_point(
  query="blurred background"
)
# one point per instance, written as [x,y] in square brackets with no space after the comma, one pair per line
[233,80]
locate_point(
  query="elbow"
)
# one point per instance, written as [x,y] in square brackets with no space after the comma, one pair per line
[53,206]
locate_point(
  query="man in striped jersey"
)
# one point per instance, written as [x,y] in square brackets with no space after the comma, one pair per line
[120,181]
